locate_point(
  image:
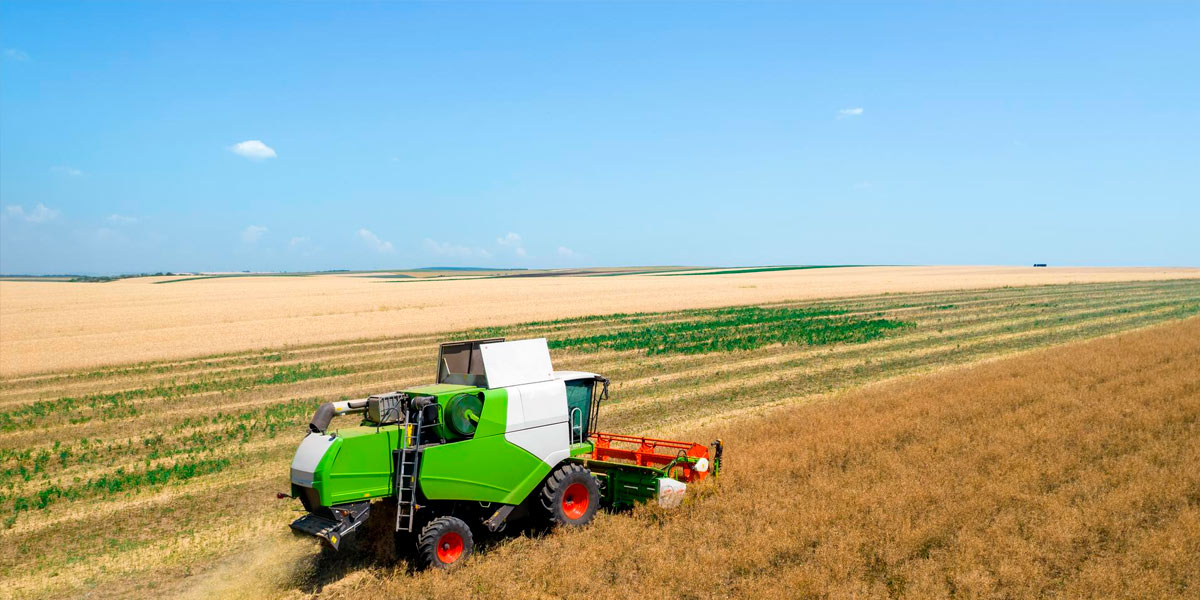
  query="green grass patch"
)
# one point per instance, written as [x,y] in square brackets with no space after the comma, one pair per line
[118,481]
[740,328]
[115,405]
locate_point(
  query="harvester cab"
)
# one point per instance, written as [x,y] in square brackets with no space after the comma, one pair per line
[499,435]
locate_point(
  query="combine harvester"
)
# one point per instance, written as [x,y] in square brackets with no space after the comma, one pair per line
[501,435]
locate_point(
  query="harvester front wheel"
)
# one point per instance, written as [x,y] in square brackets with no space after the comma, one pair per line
[571,495]
[444,543]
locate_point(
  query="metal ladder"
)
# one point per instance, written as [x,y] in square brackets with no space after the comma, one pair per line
[408,463]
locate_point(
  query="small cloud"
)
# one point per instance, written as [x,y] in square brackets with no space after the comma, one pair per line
[565,252]
[448,249]
[67,171]
[121,219]
[299,241]
[39,214]
[850,112]
[374,242]
[513,240]
[253,233]
[15,55]
[253,149]
[863,185]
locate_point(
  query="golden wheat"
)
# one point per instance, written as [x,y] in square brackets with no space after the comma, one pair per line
[50,326]
[1069,472]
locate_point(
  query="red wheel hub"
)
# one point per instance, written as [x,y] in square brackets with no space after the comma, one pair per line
[449,547]
[575,501]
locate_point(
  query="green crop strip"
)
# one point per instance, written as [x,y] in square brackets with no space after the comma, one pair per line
[115,405]
[182,440]
[740,328]
[113,483]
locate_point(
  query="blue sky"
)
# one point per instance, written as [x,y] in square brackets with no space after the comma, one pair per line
[232,136]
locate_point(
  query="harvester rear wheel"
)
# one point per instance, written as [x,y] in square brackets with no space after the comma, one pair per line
[571,496]
[444,543]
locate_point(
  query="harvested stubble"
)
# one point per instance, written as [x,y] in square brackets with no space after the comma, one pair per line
[245,411]
[1069,472]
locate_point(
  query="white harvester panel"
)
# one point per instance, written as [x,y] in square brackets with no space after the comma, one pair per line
[516,363]
[312,449]
[537,400]
[537,420]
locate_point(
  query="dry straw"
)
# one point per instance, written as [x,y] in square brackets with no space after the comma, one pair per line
[1062,473]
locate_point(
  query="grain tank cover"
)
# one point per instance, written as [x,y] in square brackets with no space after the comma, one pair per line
[521,362]
[461,363]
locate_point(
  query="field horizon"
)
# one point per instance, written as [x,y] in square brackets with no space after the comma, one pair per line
[48,326]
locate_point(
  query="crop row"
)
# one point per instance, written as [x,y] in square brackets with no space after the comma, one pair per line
[121,480]
[193,435]
[743,328]
[116,405]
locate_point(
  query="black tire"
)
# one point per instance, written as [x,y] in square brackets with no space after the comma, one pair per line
[571,496]
[444,543]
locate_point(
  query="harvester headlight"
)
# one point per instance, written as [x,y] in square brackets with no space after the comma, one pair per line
[701,465]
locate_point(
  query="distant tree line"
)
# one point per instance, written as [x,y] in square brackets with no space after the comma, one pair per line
[106,278]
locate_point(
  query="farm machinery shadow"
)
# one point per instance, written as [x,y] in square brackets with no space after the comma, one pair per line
[376,548]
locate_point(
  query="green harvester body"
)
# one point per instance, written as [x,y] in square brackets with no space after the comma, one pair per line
[463,452]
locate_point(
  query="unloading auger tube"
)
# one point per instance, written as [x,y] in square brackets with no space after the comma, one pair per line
[325,413]
[500,435]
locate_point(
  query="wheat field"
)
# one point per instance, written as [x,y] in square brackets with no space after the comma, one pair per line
[53,326]
[1069,473]
[159,477]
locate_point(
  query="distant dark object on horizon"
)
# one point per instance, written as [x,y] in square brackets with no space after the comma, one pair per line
[1039,264]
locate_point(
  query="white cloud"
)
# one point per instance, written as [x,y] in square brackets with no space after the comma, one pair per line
[298,241]
[39,214]
[253,233]
[15,55]
[68,171]
[863,185]
[850,112]
[253,149]
[374,242]
[453,250]
[566,252]
[121,219]
[513,240]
